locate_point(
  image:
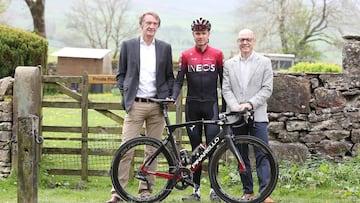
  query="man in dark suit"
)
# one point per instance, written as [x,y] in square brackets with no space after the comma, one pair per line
[145,71]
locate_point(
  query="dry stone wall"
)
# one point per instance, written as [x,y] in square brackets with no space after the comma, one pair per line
[6,118]
[318,114]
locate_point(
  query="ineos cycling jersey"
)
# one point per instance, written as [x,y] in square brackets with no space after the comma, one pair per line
[202,70]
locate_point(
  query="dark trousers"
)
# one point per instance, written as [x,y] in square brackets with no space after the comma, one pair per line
[259,130]
[196,110]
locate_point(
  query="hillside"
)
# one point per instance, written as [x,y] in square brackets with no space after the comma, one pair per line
[175,26]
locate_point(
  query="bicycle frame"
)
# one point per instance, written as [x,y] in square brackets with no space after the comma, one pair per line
[165,162]
[224,134]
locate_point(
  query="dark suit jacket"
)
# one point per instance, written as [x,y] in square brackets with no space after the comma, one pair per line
[129,70]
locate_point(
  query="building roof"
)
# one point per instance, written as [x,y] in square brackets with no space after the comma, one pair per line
[82,53]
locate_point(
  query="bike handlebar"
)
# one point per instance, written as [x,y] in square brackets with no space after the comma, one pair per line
[231,113]
[224,118]
[245,114]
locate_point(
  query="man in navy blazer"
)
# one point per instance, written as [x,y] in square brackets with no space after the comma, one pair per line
[128,75]
[248,83]
[145,70]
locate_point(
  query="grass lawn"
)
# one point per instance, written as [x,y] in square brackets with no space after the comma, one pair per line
[97,190]
[316,181]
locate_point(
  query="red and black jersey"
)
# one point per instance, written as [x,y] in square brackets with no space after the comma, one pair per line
[202,70]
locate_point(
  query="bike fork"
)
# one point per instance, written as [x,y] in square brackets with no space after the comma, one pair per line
[235,151]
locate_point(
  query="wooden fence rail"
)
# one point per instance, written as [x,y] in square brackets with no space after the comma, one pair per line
[82,102]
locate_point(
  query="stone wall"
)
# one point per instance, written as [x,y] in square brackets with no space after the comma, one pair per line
[6,118]
[318,114]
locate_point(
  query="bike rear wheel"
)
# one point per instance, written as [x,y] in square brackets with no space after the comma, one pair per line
[130,157]
[225,177]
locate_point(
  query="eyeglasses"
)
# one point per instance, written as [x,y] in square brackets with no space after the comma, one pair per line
[242,40]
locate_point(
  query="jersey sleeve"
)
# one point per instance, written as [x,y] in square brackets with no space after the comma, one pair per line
[179,77]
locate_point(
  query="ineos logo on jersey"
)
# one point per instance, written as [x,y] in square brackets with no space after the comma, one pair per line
[202,68]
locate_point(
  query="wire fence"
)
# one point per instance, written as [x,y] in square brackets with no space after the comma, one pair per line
[96,143]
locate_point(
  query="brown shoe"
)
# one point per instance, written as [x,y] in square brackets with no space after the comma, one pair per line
[248,196]
[269,200]
[114,199]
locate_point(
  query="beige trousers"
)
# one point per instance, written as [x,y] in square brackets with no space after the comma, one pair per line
[141,112]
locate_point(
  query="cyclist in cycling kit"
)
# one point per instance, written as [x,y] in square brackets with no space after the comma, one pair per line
[202,66]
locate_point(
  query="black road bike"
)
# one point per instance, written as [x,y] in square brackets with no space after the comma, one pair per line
[175,167]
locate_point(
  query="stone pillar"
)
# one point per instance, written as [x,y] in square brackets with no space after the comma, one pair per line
[26,100]
[351,54]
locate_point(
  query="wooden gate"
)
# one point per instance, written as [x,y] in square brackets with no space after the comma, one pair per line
[81,102]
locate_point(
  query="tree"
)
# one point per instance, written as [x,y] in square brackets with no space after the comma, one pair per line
[296,26]
[102,22]
[3,5]
[37,10]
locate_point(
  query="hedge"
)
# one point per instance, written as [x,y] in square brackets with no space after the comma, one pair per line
[20,48]
[306,67]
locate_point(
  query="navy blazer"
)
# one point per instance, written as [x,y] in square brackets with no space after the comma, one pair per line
[129,70]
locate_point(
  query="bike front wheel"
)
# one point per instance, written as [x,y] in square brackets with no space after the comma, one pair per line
[230,184]
[128,176]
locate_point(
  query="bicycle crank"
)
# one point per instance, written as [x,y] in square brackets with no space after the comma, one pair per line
[183,178]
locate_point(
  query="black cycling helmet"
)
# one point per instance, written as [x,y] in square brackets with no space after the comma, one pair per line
[200,24]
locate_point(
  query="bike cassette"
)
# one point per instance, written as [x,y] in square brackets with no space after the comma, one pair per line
[183,178]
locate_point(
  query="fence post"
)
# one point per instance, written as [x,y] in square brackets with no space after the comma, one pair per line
[28,134]
[84,126]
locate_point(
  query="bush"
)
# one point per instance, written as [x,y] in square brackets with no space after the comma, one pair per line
[307,67]
[20,48]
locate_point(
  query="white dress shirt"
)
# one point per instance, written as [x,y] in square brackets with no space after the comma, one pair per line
[147,85]
[245,66]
